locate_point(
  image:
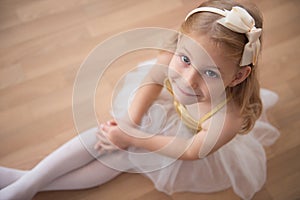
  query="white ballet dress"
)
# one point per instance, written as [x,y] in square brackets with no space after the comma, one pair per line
[240,164]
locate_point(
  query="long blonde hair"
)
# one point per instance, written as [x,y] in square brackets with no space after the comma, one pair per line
[246,94]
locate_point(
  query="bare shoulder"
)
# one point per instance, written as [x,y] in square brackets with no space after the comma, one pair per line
[234,119]
[231,126]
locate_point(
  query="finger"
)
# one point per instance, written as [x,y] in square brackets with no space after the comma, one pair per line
[105,144]
[97,146]
[103,139]
[104,127]
[105,133]
[101,151]
[111,123]
[109,147]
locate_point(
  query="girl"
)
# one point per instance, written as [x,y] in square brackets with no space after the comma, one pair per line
[202,135]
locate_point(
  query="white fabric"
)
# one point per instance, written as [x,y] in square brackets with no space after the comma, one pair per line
[238,20]
[69,167]
[240,164]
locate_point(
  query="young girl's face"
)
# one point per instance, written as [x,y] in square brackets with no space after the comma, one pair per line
[198,71]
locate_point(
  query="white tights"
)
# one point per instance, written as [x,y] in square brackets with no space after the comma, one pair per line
[69,167]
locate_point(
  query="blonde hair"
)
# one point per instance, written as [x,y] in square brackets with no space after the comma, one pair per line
[246,94]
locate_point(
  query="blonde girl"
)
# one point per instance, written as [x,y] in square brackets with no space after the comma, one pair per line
[204,133]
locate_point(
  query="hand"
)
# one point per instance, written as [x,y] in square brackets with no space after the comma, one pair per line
[104,144]
[112,135]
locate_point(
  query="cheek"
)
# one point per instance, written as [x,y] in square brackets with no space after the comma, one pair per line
[214,88]
[227,80]
[175,68]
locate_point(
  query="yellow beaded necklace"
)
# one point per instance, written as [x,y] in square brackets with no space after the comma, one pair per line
[187,119]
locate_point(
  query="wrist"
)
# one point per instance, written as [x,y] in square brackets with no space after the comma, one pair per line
[131,132]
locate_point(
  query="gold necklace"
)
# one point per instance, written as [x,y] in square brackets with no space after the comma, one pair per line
[187,119]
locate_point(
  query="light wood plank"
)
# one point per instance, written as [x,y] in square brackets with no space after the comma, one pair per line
[43,43]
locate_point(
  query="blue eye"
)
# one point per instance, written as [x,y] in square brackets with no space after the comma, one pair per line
[211,74]
[185,59]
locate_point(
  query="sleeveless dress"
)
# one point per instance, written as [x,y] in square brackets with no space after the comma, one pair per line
[240,164]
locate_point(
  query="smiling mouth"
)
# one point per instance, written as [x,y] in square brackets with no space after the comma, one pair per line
[187,94]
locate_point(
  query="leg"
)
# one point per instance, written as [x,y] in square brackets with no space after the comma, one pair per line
[91,175]
[9,175]
[68,157]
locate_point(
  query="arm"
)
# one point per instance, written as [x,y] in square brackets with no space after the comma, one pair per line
[144,97]
[149,92]
[176,147]
[183,149]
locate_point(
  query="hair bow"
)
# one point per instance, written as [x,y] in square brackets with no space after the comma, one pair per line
[238,20]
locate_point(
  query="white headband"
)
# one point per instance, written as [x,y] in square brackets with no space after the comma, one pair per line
[238,20]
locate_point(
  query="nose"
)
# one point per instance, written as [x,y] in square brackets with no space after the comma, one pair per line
[192,78]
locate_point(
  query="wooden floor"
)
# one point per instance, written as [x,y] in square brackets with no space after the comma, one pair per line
[43,43]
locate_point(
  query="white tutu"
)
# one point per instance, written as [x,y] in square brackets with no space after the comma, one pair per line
[240,164]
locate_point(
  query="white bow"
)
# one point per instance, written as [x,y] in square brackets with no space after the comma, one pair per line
[239,20]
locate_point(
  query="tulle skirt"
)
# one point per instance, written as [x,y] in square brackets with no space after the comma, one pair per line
[240,164]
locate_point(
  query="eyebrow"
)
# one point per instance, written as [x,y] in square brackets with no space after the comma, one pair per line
[189,54]
[212,66]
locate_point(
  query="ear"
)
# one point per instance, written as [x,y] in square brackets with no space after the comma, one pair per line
[240,76]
